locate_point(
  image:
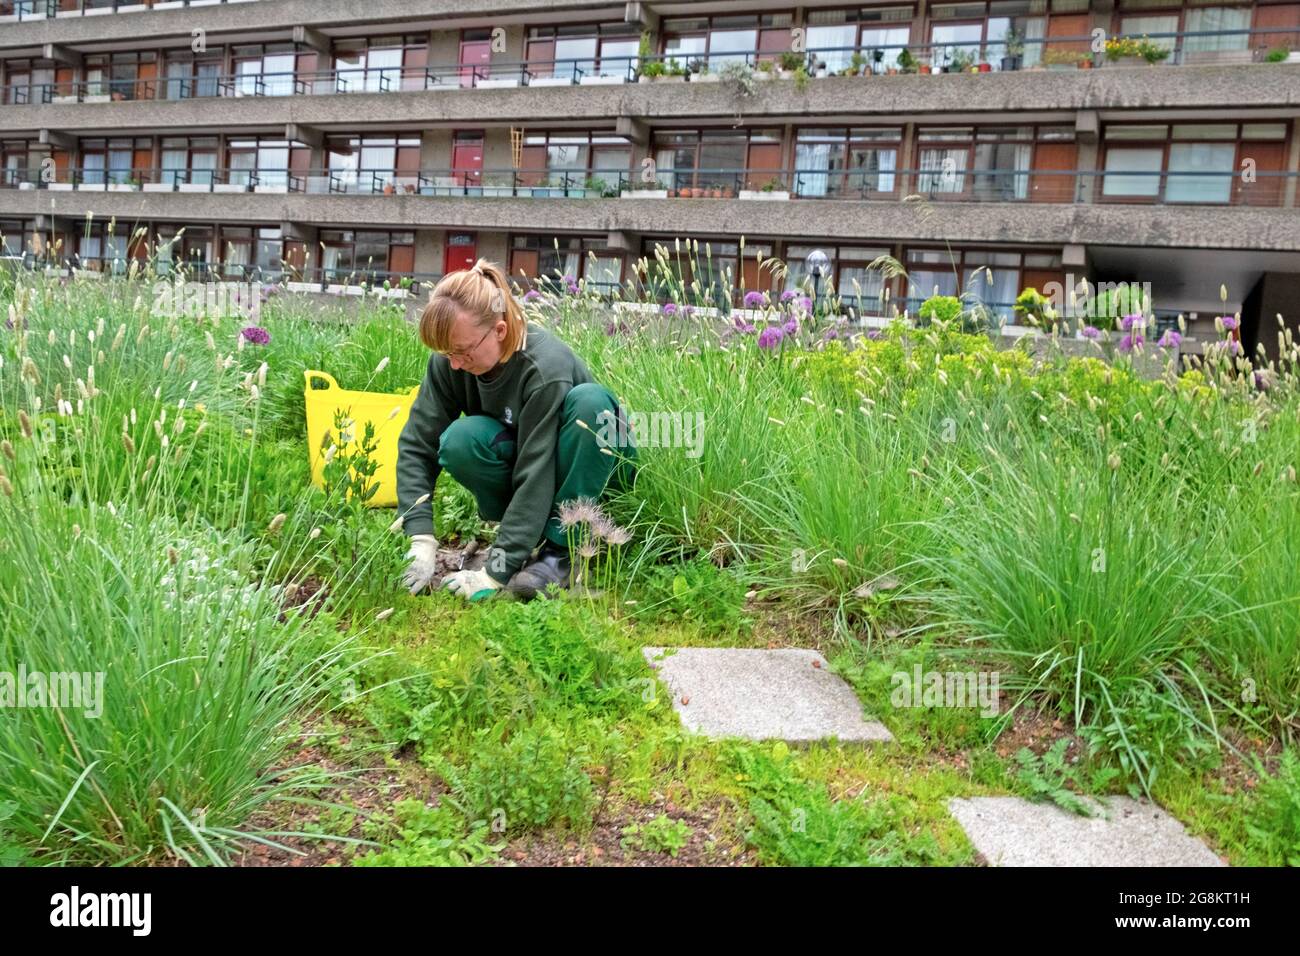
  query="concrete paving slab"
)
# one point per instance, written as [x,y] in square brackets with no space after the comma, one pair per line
[1012,831]
[788,694]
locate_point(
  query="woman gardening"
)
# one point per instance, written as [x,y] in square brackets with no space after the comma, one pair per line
[516,418]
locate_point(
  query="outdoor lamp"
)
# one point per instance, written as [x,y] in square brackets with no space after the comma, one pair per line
[818,265]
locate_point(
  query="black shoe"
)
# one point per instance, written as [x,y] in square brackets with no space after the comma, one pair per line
[552,566]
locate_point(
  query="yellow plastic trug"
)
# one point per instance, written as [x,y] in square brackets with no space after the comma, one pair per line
[387,411]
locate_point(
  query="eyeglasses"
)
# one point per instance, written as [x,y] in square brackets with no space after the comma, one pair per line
[468,352]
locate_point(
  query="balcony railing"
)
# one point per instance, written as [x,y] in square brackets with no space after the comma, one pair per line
[22,10]
[934,184]
[1255,47]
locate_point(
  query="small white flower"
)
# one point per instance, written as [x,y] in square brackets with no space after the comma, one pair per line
[383,364]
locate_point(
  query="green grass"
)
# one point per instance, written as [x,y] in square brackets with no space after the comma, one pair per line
[1123,552]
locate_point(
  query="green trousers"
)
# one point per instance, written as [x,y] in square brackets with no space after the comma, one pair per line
[479,452]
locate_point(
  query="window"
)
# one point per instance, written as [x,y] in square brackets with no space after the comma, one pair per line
[368,164]
[993,279]
[707,158]
[713,40]
[1193,162]
[546,259]
[858,163]
[1215,20]
[371,257]
[189,159]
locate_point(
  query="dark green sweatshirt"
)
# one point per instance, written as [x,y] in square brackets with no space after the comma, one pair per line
[525,393]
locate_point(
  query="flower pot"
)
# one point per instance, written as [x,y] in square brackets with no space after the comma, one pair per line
[697,192]
[715,193]
[923,68]
[986,68]
[728,193]
[684,192]
[1085,64]
[388,189]
[1010,63]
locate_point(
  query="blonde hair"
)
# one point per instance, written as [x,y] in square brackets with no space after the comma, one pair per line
[481,292]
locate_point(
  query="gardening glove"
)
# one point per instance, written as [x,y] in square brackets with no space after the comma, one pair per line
[471,585]
[423,568]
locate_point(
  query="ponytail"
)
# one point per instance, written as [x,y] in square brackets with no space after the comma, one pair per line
[482,292]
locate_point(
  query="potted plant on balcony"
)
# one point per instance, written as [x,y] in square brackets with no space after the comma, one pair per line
[769,190]
[1015,44]
[766,70]
[906,61]
[715,191]
[1065,59]
[389,189]
[790,61]
[857,65]
[1153,53]
[961,62]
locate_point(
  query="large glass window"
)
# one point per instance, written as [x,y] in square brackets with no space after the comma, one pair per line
[858,163]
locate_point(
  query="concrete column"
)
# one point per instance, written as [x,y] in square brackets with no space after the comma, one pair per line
[494,246]
[429,251]
[497,158]
[1087,135]
[435,149]
[907,159]
[1293,167]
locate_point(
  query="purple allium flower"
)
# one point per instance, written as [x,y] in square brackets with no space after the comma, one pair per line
[1129,321]
[875,334]
[787,295]
[1233,346]
[754,300]
[532,295]
[791,327]
[269,290]
[1130,342]
[1170,340]
[612,328]
[805,304]
[830,334]
[670,308]
[1261,381]
[1090,332]
[1230,322]
[688,310]
[256,335]
[770,337]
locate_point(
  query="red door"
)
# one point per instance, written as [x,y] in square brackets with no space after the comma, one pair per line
[467,162]
[461,252]
[1049,157]
[474,56]
[1260,190]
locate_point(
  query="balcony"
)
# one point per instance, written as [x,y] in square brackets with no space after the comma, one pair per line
[1165,209]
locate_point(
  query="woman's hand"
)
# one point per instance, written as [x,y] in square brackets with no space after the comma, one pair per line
[471,585]
[423,568]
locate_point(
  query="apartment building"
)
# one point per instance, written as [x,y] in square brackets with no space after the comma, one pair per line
[994,145]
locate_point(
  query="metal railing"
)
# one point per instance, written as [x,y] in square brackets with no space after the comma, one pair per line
[49,9]
[953,56]
[935,184]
